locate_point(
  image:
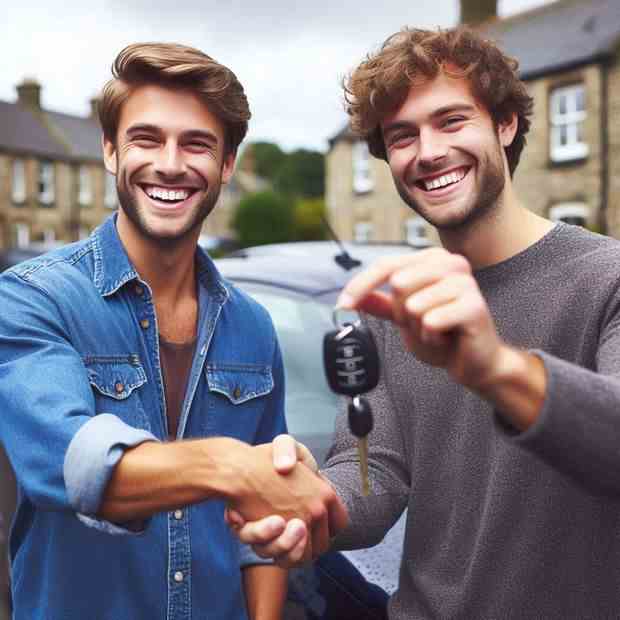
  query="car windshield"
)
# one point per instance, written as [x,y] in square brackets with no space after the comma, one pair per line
[300,323]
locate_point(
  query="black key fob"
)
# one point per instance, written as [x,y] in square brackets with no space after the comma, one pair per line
[351,360]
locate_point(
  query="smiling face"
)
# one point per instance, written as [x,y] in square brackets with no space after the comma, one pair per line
[445,154]
[169,163]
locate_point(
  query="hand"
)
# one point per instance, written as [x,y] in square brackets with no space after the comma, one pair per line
[435,300]
[288,542]
[302,517]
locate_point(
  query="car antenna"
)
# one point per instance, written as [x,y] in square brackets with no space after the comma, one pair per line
[344,259]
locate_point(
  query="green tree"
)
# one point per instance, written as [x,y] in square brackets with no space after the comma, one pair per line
[302,174]
[264,217]
[309,214]
[266,159]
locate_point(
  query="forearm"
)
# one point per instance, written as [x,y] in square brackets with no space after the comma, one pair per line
[265,591]
[516,387]
[155,477]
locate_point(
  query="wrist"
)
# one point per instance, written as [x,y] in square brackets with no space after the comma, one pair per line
[516,386]
[224,466]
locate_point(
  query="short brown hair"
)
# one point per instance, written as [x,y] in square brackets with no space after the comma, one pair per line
[176,66]
[381,83]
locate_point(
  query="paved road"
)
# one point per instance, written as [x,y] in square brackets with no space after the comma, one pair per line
[7,504]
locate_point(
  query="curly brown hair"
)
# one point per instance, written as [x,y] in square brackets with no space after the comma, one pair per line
[176,66]
[381,83]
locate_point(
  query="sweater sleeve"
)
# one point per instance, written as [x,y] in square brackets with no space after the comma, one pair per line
[578,429]
[372,516]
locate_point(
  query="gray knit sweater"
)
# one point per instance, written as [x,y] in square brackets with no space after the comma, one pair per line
[504,525]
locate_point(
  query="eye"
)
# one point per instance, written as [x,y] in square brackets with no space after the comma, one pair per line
[145,140]
[453,121]
[401,139]
[198,145]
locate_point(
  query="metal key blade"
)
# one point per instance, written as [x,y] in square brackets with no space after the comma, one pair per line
[362,449]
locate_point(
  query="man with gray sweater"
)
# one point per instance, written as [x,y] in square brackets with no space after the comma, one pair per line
[497,419]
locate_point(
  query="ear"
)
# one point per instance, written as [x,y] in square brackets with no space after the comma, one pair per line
[228,167]
[508,130]
[109,155]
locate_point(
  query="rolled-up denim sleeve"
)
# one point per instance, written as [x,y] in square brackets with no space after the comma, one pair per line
[62,453]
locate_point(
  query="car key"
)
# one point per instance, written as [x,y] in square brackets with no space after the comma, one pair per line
[351,366]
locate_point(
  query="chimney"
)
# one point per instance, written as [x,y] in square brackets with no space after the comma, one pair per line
[94,105]
[474,12]
[29,93]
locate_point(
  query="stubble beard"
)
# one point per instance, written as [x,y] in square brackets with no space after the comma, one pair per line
[129,204]
[480,207]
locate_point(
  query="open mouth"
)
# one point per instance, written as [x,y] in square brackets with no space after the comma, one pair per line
[168,196]
[441,181]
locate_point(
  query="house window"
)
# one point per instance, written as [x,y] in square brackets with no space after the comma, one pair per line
[18,188]
[22,235]
[49,236]
[362,232]
[85,188]
[570,213]
[46,183]
[362,174]
[567,117]
[110,197]
[415,230]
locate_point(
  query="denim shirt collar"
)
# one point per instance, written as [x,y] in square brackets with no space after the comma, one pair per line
[113,269]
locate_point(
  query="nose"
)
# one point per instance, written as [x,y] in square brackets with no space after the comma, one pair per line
[432,147]
[169,162]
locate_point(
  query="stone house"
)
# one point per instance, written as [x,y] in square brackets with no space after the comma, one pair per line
[569,54]
[53,184]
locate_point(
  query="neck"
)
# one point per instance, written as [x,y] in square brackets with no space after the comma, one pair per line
[503,232]
[169,270]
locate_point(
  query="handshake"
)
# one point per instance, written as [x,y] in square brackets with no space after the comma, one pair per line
[285,509]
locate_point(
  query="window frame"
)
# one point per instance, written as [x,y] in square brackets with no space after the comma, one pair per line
[362,231]
[19,191]
[567,120]
[46,182]
[85,186]
[363,181]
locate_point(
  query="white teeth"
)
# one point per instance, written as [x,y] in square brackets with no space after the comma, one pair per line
[164,194]
[444,180]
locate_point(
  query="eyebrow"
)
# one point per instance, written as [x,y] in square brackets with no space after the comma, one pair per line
[447,109]
[190,133]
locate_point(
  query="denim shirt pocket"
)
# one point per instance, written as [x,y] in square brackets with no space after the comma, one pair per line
[116,383]
[237,405]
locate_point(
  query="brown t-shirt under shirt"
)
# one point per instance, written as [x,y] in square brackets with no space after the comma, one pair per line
[176,364]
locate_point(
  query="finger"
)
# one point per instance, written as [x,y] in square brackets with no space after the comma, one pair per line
[262,532]
[337,516]
[320,536]
[442,292]
[378,304]
[377,274]
[464,312]
[297,555]
[284,453]
[413,278]
[233,518]
[290,545]
[305,456]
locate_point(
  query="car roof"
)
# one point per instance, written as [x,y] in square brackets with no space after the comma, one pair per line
[312,268]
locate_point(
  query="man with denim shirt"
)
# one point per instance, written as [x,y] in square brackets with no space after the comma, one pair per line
[133,379]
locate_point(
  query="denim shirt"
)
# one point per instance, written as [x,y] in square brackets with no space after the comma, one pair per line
[80,382]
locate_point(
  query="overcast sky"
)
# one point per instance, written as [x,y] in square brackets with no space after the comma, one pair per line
[290,56]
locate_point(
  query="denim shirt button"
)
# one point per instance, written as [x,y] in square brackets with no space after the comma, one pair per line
[119,387]
[178,515]
[178,576]
[145,323]
[237,392]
